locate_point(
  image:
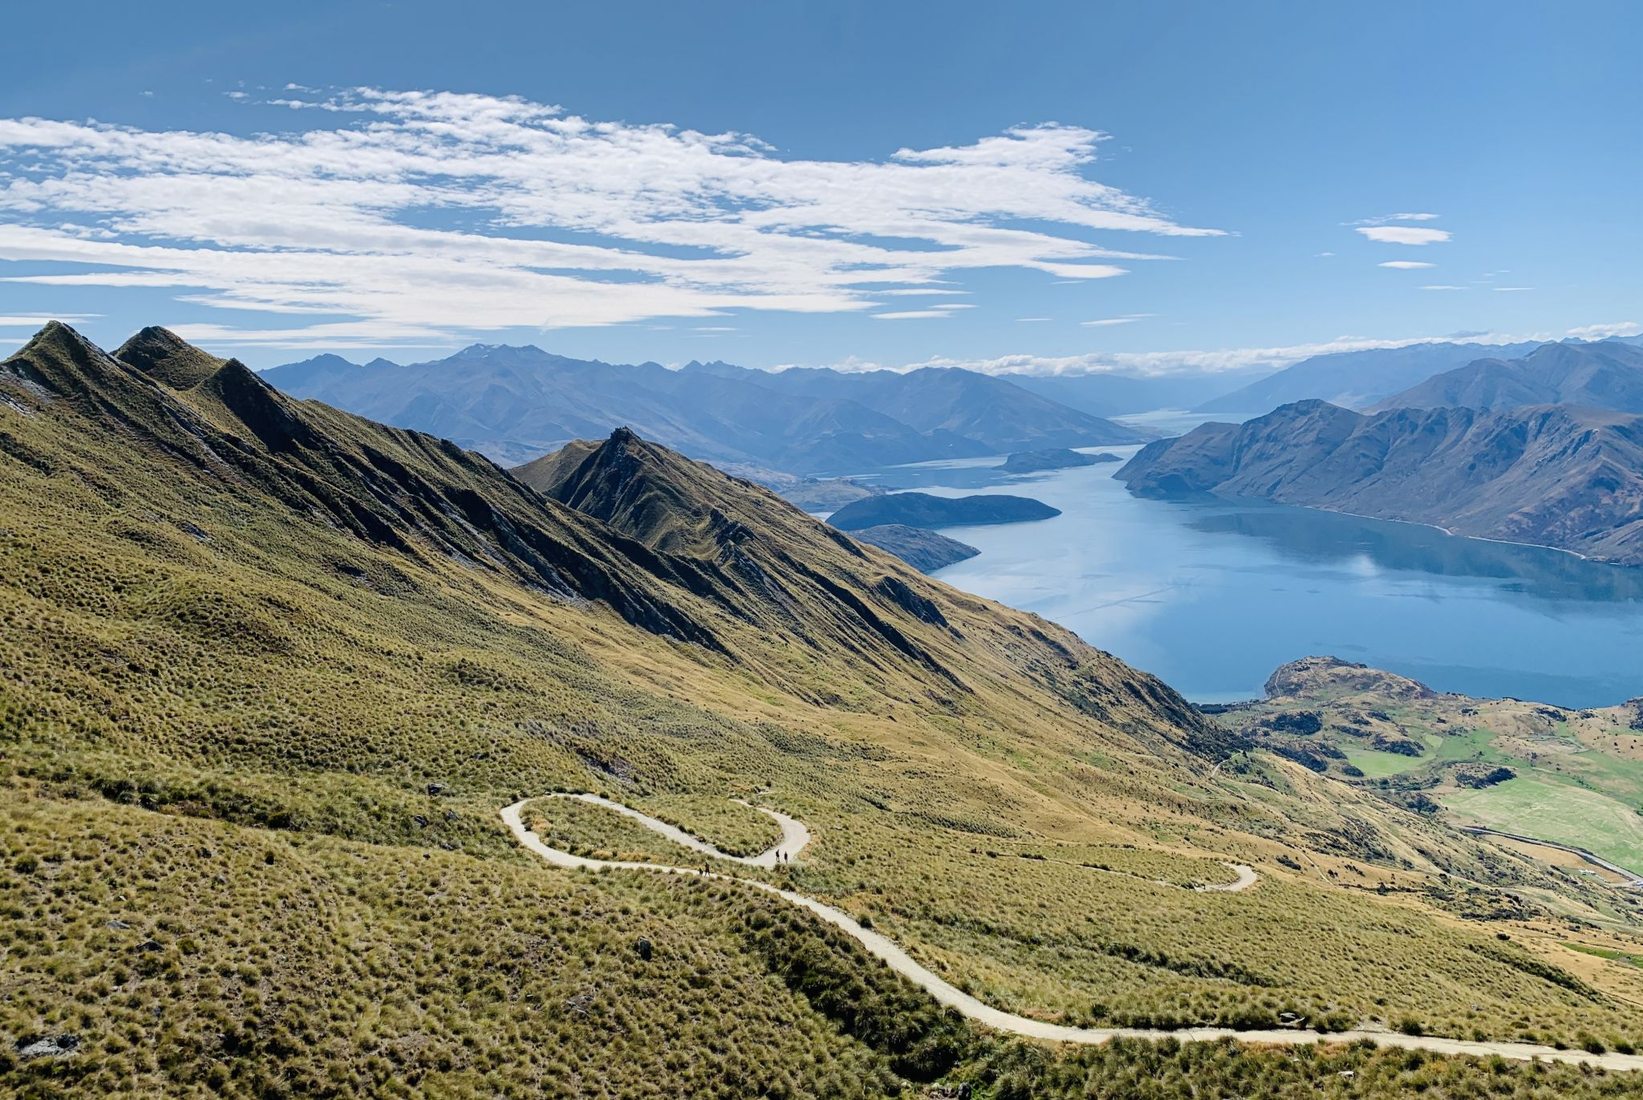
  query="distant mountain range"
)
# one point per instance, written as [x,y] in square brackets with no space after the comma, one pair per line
[516,403]
[1552,476]
[1105,394]
[1356,379]
[1603,375]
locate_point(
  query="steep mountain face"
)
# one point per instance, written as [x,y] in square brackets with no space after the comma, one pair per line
[1356,379]
[773,566]
[1604,375]
[516,403]
[1552,476]
[673,547]
[402,490]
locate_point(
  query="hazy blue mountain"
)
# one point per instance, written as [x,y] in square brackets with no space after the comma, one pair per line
[1357,379]
[1603,375]
[994,411]
[1549,475]
[1123,394]
[514,403]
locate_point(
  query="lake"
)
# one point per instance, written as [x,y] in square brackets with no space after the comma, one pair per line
[1212,595]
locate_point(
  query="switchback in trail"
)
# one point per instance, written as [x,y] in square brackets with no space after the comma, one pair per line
[947,994]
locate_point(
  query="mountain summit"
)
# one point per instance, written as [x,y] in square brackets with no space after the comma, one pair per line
[1603,375]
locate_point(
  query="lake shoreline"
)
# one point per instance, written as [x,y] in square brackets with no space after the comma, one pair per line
[1211,594]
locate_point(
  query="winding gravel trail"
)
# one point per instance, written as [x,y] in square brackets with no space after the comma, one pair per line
[794,834]
[902,963]
[1246,878]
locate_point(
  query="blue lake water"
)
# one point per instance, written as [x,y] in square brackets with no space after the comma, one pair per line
[1213,595]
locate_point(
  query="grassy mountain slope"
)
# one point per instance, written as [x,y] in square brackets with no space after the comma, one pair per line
[1552,476]
[1603,375]
[268,670]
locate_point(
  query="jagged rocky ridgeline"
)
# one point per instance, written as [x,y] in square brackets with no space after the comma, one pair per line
[674,547]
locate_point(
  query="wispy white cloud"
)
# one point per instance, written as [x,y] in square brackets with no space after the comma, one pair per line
[1404,217]
[36,320]
[1512,289]
[1035,319]
[1185,362]
[1126,319]
[1403,234]
[1406,265]
[440,213]
[1442,286]
[1603,332]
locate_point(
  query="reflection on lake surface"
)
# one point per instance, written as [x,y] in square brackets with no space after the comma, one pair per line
[1212,595]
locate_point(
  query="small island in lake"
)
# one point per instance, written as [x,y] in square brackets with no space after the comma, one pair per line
[924,550]
[1057,458]
[924,510]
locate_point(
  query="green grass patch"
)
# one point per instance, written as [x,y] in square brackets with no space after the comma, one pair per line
[1553,808]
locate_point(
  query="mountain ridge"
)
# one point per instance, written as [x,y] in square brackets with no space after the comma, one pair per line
[517,403]
[1554,476]
[1355,379]
[1603,375]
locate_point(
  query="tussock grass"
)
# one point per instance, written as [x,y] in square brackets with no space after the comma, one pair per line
[275,748]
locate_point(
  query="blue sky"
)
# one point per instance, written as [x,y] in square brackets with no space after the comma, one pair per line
[1040,186]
